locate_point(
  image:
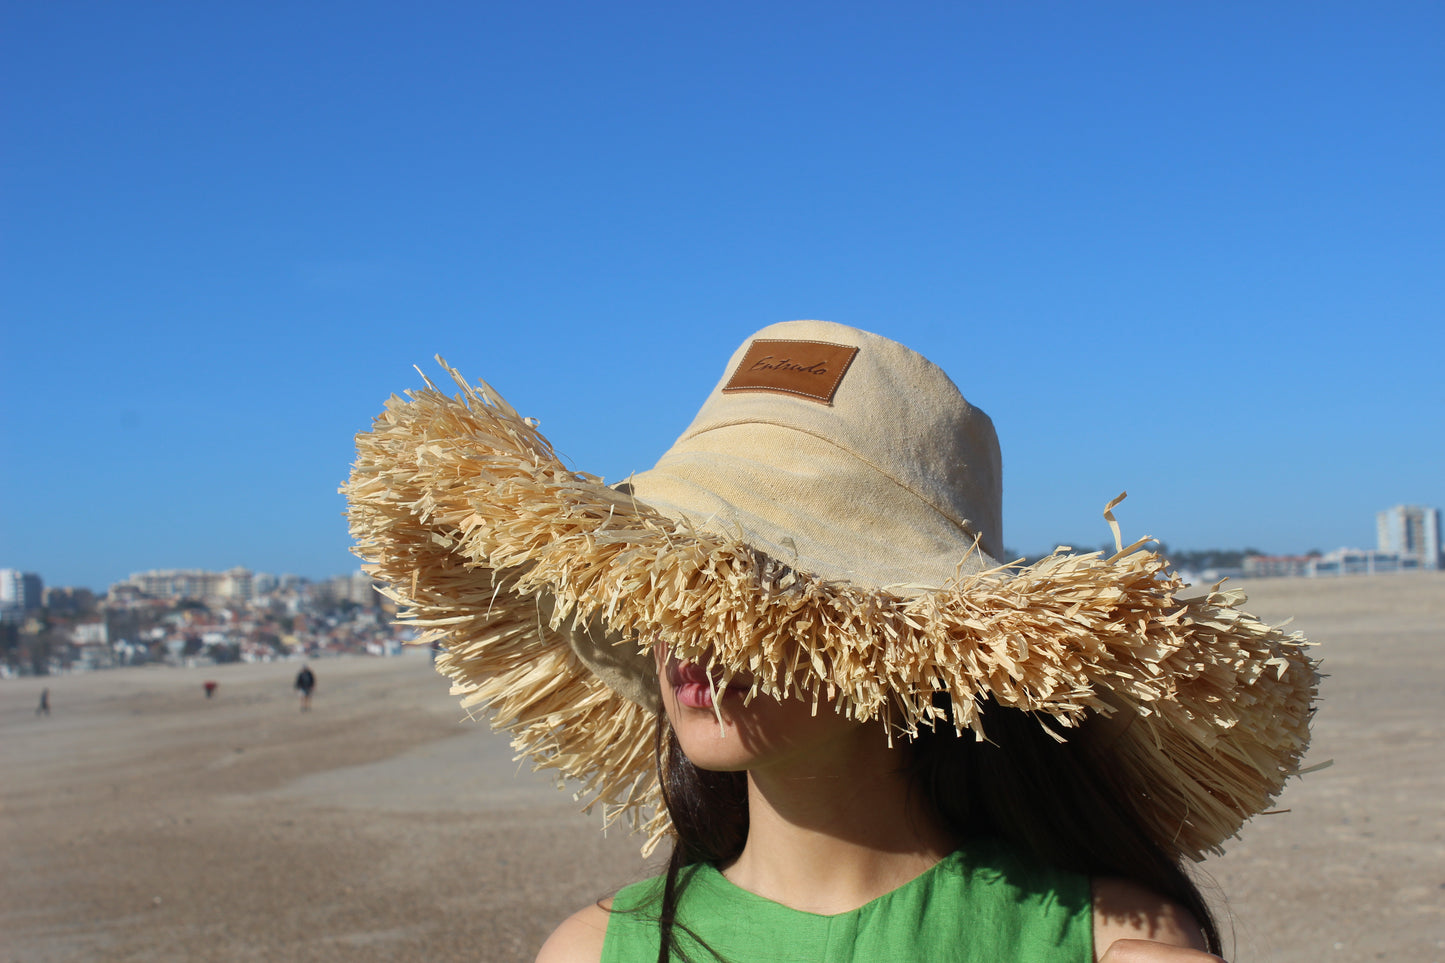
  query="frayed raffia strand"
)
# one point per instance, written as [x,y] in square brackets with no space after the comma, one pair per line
[461,507]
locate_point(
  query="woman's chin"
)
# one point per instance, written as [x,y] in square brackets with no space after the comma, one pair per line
[712,737]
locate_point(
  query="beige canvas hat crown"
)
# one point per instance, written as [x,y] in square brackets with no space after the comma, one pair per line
[842,454]
[829,527]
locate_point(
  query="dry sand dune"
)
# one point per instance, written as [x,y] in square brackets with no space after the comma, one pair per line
[141,821]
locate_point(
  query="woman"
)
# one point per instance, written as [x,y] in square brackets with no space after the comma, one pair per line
[791,647]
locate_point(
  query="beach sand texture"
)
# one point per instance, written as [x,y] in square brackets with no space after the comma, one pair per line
[140,821]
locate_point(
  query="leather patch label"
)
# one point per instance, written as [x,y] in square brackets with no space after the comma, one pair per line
[807,369]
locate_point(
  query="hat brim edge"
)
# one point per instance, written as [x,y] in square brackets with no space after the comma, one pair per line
[462,508]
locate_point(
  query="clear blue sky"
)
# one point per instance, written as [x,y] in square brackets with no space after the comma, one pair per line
[1195,251]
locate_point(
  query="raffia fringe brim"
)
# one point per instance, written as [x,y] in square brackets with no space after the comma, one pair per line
[461,507]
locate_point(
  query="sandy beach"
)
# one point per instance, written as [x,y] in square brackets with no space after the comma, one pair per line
[142,821]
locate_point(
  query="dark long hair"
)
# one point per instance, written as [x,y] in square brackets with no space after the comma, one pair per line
[1058,802]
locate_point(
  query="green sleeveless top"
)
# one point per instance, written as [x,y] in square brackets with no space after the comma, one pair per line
[983,905]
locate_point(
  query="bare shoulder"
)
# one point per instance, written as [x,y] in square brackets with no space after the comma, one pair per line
[579,938]
[1151,927]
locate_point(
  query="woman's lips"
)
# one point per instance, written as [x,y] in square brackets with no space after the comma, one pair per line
[693,688]
[694,695]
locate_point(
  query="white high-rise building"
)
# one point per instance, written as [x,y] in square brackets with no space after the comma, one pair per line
[1411,531]
[21,590]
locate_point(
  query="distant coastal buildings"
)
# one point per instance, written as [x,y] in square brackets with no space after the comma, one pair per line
[1276,566]
[1411,532]
[1365,561]
[20,592]
[1408,540]
[190,617]
[238,585]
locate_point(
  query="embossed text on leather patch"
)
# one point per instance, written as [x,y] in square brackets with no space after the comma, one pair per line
[809,369]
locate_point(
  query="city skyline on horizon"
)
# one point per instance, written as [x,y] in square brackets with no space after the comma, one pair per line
[1380,545]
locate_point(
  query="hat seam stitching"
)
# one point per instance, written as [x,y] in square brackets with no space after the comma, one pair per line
[848,450]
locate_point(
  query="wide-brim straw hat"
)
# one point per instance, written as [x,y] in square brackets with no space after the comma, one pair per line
[829,527]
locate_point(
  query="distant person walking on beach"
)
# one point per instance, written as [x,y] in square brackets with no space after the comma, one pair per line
[305,681]
[44,707]
[210,688]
